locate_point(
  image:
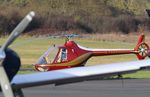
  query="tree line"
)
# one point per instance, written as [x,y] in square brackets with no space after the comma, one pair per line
[83,16]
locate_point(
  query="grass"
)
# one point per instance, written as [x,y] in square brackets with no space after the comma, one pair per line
[140,74]
[31,51]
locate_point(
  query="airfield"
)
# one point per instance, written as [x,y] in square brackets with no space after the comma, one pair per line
[95,88]
[133,85]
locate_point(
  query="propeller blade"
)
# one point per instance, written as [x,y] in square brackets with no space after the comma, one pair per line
[18,30]
[5,85]
[4,81]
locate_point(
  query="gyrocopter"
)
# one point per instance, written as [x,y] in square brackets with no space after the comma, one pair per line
[72,54]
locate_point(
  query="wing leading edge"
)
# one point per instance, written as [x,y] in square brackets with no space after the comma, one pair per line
[77,74]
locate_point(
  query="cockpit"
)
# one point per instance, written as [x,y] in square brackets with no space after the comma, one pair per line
[54,54]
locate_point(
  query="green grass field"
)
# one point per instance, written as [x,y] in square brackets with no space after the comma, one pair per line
[31,51]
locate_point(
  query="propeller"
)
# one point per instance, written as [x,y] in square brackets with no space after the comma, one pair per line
[4,81]
[142,50]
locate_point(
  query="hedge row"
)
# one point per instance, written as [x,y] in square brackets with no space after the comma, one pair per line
[102,24]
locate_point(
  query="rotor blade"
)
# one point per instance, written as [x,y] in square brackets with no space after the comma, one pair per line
[18,30]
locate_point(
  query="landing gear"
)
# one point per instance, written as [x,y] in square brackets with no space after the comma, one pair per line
[122,79]
[119,76]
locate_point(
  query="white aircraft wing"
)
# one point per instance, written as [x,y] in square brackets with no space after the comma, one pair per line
[77,74]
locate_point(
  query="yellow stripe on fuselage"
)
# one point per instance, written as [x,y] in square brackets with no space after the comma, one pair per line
[74,62]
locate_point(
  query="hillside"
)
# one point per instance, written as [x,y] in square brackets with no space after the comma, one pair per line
[84,16]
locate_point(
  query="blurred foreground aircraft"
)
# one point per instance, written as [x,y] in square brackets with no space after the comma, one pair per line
[11,84]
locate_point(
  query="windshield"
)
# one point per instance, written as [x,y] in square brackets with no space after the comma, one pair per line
[48,56]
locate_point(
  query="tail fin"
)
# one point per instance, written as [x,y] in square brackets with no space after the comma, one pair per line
[141,47]
[141,39]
